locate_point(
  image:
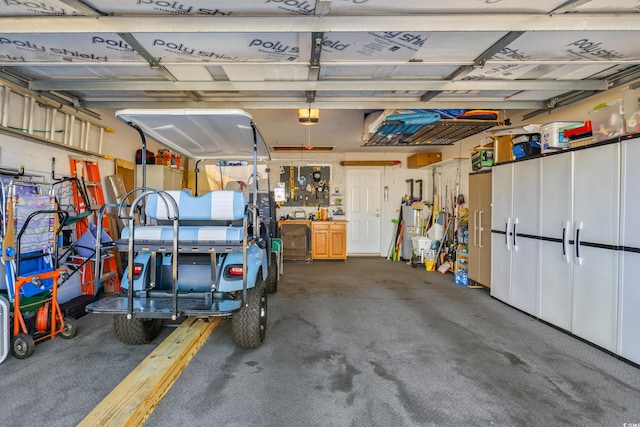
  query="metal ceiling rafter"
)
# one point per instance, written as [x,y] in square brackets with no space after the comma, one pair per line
[82,7]
[142,51]
[320,85]
[476,22]
[154,62]
[314,62]
[479,62]
[566,7]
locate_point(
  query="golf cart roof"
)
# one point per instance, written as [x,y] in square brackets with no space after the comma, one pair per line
[200,133]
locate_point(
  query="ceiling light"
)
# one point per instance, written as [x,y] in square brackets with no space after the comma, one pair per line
[308,116]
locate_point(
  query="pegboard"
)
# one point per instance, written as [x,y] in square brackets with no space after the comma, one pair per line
[306,185]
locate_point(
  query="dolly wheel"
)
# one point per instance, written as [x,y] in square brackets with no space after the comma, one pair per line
[70,328]
[22,346]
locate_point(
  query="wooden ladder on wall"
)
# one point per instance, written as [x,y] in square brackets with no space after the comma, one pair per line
[88,174]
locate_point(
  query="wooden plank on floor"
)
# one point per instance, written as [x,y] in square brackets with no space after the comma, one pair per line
[135,398]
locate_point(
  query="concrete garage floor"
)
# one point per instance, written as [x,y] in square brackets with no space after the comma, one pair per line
[366,342]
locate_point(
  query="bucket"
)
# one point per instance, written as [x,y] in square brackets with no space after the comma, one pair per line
[430,265]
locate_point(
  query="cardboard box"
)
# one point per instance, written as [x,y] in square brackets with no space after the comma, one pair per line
[419,160]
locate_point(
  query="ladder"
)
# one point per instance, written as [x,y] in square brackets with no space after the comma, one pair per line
[88,177]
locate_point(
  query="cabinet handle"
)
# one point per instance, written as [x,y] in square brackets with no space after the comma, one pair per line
[515,245]
[506,233]
[565,241]
[480,229]
[578,226]
[475,228]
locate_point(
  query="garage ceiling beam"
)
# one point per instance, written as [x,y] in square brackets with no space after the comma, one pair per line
[322,85]
[325,105]
[458,22]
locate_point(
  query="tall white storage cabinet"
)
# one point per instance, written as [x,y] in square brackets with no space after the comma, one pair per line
[629,296]
[525,262]
[502,205]
[515,225]
[596,192]
[558,252]
[556,255]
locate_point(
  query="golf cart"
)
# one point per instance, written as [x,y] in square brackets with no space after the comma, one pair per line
[194,255]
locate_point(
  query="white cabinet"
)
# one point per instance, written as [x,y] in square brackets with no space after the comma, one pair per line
[525,263]
[515,249]
[502,205]
[596,193]
[160,177]
[556,252]
[629,295]
[556,255]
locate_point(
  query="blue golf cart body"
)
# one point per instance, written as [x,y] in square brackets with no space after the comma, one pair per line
[196,255]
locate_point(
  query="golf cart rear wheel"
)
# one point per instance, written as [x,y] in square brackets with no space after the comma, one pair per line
[136,331]
[249,324]
[272,278]
[22,346]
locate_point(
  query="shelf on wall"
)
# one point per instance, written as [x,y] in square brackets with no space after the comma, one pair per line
[442,132]
[445,162]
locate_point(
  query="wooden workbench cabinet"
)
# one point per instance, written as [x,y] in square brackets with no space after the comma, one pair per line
[329,240]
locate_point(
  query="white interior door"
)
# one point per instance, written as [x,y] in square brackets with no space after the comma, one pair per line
[363,211]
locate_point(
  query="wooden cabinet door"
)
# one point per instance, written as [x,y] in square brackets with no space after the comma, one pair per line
[320,239]
[473,257]
[337,241]
[479,258]
[484,230]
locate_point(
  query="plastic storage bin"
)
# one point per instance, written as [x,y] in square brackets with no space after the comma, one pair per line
[607,121]
[552,135]
[632,110]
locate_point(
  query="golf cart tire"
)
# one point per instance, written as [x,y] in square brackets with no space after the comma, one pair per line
[272,278]
[249,323]
[136,331]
